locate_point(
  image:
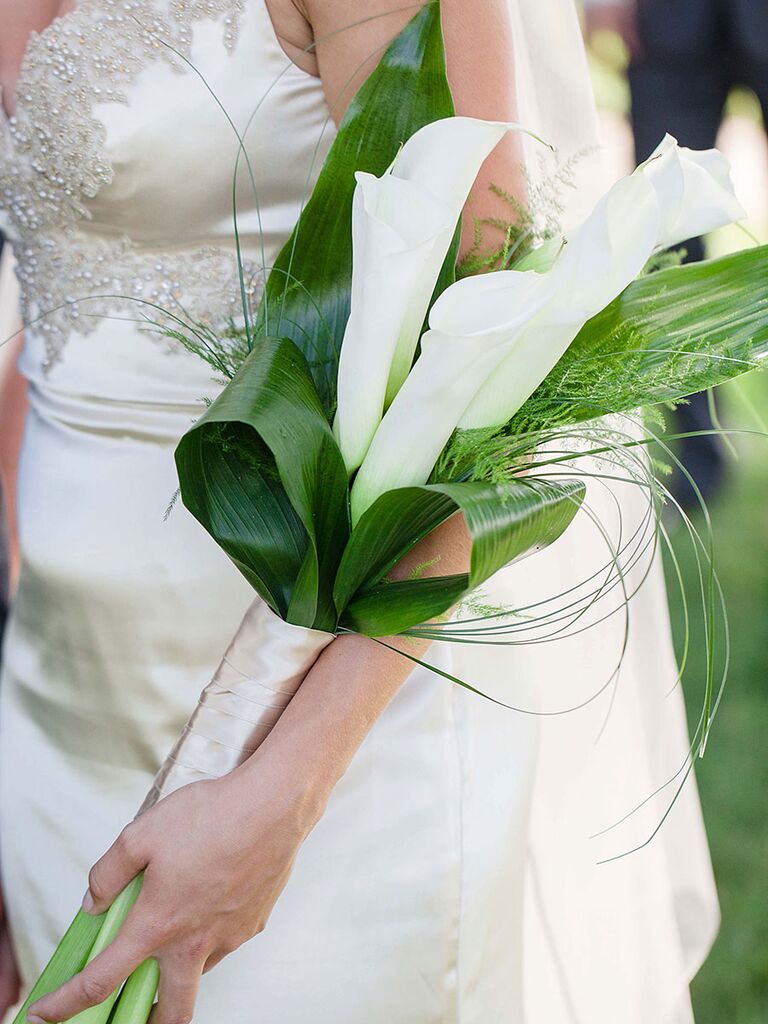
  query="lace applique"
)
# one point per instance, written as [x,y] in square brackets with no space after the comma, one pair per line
[52,153]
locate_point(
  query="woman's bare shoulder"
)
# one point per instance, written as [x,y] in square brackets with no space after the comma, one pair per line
[320,34]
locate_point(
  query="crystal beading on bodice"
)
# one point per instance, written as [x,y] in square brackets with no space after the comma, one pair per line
[54,159]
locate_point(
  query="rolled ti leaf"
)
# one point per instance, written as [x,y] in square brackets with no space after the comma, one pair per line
[261,471]
[505,522]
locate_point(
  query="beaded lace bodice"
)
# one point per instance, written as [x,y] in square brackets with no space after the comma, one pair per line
[116,168]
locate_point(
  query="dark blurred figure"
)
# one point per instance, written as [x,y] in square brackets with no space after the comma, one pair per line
[686,55]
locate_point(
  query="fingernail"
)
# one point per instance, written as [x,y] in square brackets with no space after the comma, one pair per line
[87,902]
[35,1020]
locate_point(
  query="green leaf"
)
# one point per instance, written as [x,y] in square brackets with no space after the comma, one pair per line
[668,335]
[505,522]
[390,528]
[308,291]
[262,472]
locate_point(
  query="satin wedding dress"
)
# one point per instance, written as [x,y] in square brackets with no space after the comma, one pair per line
[453,878]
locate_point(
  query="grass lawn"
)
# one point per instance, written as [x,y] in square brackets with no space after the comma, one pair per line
[732,987]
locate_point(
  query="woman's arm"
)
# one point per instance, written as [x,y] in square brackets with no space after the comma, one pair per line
[217,855]
[350,38]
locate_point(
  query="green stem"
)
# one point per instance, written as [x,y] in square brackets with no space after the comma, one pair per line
[138,995]
[70,957]
[110,929]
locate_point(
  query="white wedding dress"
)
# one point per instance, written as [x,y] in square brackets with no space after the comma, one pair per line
[452,879]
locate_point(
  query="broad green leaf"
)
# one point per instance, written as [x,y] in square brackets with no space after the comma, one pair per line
[230,485]
[263,474]
[308,291]
[668,335]
[505,522]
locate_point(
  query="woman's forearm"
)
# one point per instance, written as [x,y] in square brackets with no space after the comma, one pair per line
[355,678]
[349,687]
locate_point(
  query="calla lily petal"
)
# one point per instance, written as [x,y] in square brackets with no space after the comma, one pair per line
[450,370]
[694,190]
[403,224]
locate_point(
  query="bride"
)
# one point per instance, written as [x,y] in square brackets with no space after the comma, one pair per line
[398,850]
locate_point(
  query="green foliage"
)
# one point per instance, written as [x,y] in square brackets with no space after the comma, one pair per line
[225,351]
[516,237]
[669,334]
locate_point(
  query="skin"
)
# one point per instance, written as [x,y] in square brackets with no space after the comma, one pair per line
[217,855]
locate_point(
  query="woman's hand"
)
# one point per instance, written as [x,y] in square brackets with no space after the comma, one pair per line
[215,856]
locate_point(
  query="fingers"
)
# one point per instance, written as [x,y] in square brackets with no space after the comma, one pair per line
[110,875]
[97,981]
[177,992]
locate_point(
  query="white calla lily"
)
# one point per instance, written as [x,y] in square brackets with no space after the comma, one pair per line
[451,369]
[402,227]
[694,191]
[495,337]
[677,194]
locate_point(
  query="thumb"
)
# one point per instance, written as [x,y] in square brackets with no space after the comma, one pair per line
[111,874]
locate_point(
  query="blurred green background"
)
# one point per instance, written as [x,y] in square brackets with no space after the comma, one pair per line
[732,987]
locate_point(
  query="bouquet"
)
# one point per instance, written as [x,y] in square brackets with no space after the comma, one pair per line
[372,396]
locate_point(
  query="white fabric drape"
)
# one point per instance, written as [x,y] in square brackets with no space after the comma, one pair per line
[619,940]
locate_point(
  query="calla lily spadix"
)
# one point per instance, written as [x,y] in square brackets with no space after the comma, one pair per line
[402,227]
[494,338]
